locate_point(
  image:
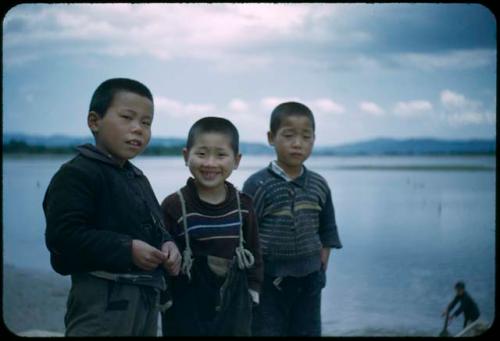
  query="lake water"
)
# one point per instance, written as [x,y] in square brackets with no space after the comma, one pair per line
[411,227]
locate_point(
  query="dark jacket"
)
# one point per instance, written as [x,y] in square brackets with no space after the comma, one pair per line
[467,306]
[93,210]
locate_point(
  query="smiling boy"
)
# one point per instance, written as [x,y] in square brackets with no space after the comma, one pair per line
[297,228]
[104,223]
[214,224]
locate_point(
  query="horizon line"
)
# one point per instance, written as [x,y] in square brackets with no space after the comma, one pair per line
[367,139]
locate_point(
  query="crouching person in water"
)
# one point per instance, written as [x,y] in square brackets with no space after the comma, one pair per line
[467,305]
[215,227]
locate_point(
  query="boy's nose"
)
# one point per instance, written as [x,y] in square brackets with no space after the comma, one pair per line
[209,161]
[297,142]
[137,128]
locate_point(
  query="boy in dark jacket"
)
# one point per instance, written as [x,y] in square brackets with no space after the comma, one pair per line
[214,224]
[104,223]
[297,228]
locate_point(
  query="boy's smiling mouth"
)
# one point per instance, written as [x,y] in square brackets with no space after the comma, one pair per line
[209,174]
[135,143]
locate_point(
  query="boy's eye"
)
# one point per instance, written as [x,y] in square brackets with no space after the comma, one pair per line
[147,123]
[127,117]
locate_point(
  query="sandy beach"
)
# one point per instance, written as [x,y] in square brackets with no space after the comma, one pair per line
[33,299]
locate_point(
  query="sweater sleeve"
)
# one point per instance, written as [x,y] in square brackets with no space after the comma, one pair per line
[328,227]
[76,244]
[171,210]
[251,235]
[252,187]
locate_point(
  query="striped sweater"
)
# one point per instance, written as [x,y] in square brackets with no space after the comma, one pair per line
[296,219]
[214,229]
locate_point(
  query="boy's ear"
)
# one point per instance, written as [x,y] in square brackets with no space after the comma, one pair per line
[237,160]
[93,121]
[270,138]
[185,154]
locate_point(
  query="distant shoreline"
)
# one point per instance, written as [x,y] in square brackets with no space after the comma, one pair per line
[60,144]
[52,153]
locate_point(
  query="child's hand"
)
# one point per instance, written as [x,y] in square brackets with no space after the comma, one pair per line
[172,262]
[145,256]
[325,254]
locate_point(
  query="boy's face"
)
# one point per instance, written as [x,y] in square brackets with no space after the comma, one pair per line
[211,160]
[125,130]
[293,142]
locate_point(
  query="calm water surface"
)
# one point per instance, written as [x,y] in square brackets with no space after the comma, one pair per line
[408,233]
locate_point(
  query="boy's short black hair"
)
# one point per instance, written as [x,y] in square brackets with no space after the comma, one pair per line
[460,285]
[289,109]
[213,124]
[105,92]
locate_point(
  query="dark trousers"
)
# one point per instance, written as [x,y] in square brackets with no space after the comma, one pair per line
[468,320]
[100,307]
[208,305]
[290,308]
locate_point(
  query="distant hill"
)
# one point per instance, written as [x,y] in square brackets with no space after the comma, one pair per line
[46,141]
[414,146]
[172,146]
[64,144]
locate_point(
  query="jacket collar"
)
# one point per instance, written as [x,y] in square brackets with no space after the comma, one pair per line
[90,151]
[301,180]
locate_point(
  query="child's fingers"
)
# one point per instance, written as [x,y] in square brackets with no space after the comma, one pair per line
[173,269]
[146,265]
[176,270]
[157,256]
[173,256]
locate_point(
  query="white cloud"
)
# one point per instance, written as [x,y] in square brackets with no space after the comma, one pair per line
[317,106]
[468,117]
[269,103]
[176,109]
[237,105]
[412,108]
[450,99]
[161,30]
[456,59]
[371,108]
[174,117]
[326,105]
[459,110]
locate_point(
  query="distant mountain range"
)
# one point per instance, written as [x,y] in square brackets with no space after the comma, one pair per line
[62,141]
[379,146]
[413,146]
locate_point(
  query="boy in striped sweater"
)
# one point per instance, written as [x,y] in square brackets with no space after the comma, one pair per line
[214,226]
[297,228]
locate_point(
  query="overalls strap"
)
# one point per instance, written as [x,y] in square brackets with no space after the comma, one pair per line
[244,257]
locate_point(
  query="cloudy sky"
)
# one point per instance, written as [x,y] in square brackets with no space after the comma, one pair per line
[366,70]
